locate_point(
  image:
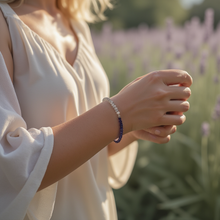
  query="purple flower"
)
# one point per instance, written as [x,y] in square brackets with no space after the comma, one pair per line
[169,65]
[169,48]
[218,100]
[209,23]
[204,55]
[216,112]
[137,47]
[179,53]
[195,22]
[107,29]
[205,129]
[169,27]
[174,65]
[203,63]
[216,79]
[218,63]
[202,67]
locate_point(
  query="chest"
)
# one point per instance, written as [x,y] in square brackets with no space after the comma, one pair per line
[49,90]
[55,30]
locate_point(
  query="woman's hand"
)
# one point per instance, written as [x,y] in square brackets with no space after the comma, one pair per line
[151,100]
[159,135]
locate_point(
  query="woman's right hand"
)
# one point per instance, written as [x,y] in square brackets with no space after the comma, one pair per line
[156,99]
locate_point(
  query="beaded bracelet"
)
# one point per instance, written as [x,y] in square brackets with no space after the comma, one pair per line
[119,118]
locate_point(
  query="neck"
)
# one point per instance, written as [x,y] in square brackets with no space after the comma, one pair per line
[48,5]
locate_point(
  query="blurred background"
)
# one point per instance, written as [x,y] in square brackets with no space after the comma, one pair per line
[179,180]
[129,13]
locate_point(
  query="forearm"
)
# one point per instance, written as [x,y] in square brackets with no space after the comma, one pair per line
[113,147]
[78,140]
[143,104]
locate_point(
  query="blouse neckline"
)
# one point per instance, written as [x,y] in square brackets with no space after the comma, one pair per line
[15,15]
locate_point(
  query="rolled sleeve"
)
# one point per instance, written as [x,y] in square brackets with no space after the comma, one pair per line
[24,154]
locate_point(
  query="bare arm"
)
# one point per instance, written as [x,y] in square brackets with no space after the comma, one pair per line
[143,104]
[5,45]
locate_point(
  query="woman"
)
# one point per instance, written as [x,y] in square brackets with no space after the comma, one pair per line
[58,159]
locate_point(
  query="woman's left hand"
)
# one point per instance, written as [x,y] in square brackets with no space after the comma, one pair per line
[159,135]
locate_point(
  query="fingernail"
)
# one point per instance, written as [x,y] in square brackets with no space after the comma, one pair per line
[183,71]
[157,132]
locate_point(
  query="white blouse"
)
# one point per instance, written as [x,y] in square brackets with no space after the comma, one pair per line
[48,91]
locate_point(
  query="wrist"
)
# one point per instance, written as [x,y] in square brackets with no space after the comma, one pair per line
[132,136]
[126,119]
[110,101]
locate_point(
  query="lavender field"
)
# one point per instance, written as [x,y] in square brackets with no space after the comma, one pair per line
[179,180]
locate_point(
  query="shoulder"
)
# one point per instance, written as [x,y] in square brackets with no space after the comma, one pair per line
[5,44]
[4,34]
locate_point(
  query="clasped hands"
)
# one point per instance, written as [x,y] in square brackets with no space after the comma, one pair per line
[156,104]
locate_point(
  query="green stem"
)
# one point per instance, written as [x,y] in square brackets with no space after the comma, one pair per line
[204,164]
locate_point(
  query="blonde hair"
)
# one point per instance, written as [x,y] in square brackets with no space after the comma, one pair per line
[87,10]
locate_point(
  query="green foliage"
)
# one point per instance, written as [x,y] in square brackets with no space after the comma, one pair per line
[199,10]
[179,180]
[130,13]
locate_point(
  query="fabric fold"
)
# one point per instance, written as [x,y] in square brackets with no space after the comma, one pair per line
[121,165]
[24,153]
[46,92]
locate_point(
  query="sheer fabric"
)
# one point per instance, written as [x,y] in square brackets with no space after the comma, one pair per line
[48,91]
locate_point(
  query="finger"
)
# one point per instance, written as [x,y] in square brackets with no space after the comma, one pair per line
[172,119]
[162,131]
[154,138]
[175,113]
[177,106]
[179,93]
[172,77]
